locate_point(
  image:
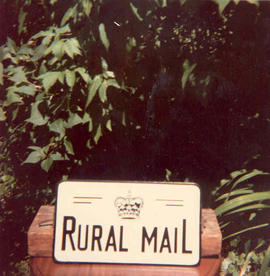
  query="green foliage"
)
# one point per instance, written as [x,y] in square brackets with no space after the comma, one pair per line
[242,213]
[250,262]
[127,89]
[236,198]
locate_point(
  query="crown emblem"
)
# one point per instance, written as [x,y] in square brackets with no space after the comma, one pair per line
[128,207]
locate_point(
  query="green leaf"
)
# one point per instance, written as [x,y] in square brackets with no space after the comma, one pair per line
[241,200]
[98,134]
[235,193]
[70,78]
[18,76]
[57,48]
[39,52]
[246,230]
[36,148]
[86,118]
[248,176]
[266,263]
[93,89]
[188,68]
[36,117]
[1,73]
[102,91]
[12,98]
[87,6]
[11,46]
[2,115]
[103,36]
[47,39]
[70,13]
[58,126]
[222,4]
[57,156]
[113,82]
[135,11]
[72,47]
[168,174]
[61,77]
[21,20]
[109,125]
[83,74]
[34,157]
[249,208]
[234,174]
[73,120]
[27,90]
[49,79]
[124,123]
[69,147]
[255,2]
[46,164]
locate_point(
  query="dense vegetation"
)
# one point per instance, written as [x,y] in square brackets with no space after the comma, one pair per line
[137,90]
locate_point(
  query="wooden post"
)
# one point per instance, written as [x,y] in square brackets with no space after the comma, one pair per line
[40,248]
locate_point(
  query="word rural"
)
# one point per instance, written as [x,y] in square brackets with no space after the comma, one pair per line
[130,223]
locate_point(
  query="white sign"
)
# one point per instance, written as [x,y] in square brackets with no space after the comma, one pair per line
[129,223]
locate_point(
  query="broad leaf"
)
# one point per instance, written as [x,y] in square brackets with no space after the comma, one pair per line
[102,91]
[113,82]
[36,148]
[70,78]
[36,117]
[11,46]
[58,126]
[57,156]
[71,12]
[12,97]
[72,47]
[39,52]
[34,157]
[109,125]
[49,79]
[222,4]
[18,76]
[87,6]
[69,147]
[46,164]
[73,120]
[255,2]
[57,48]
[27,90]
[103,36]
[83,74]
[93,89]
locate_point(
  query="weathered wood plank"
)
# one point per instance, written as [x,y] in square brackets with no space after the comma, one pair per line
[41,266]
[41,232]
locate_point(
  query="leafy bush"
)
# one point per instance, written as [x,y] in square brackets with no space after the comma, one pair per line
[243,217]
[120,90]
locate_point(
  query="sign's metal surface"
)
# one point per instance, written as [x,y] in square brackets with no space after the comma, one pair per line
[131,223]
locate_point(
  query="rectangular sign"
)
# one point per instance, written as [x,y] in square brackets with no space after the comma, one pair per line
[127,222]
